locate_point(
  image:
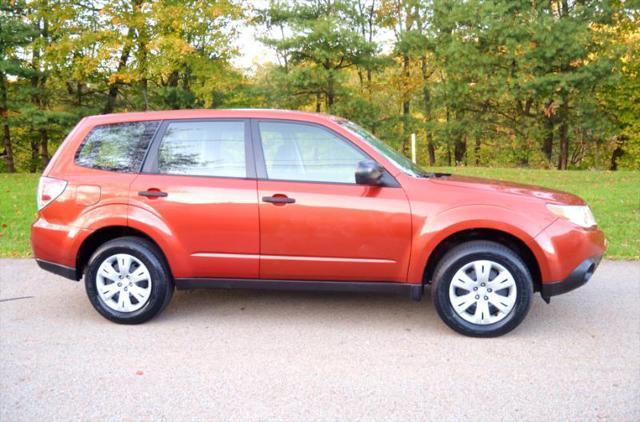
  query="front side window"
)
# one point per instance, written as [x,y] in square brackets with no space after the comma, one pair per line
[301,152]
[116,147]
[203,149]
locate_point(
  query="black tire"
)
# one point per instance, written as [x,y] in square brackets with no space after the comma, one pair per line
[464,254]
[161,281]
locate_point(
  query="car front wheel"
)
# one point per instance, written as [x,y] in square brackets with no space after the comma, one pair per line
[127,280]
[482,289]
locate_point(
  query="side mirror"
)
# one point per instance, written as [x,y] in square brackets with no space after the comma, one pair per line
[369,173]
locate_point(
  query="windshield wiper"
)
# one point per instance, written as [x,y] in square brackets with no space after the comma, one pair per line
[434,175]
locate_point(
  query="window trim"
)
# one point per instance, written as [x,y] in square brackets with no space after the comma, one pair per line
[144,156]
[150,165]
[260,163]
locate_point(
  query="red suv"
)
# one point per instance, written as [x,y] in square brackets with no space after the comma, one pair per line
[140,203]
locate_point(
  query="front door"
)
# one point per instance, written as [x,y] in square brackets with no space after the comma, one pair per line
[199,180]
[316,223]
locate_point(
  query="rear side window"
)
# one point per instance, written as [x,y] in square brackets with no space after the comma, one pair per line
[117,147]
[203,149]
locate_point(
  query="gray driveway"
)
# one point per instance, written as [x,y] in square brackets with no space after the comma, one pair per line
[243,355]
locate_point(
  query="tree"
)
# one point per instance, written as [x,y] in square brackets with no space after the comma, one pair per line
[14,33]
[619,98]
[509,83]
[324,42]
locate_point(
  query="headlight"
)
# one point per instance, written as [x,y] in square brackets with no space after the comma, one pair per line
[580,215]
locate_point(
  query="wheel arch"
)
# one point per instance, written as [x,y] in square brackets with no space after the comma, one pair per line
[504,238]
[105,234]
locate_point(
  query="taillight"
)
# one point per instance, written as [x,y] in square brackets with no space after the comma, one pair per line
[48,190]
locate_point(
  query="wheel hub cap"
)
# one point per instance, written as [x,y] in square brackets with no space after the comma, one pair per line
[123,283]
[483,292]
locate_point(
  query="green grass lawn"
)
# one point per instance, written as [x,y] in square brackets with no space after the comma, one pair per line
[613,196]
[17,212]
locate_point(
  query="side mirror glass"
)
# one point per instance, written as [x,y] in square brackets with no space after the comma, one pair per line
[369,173]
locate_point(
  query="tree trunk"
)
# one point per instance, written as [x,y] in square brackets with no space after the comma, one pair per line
[331,93]
[547,146]
[37,85]
[406,103]
[460,149]
[617,153]
[476,150]
[448,114]
[460,144]
[563,158]
[80,86]
[112,94]
[371,21]
[563,134]
[431,151]
[186,86]
[426,96]
[361,80]
[44,146]
[563,112]
[33,164]
[145,93]
[285,57]
[6,132]
[143,59]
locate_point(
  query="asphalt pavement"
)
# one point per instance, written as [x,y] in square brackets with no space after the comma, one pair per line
[256,355]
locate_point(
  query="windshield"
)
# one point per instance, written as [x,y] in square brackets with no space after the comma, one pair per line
[389,153]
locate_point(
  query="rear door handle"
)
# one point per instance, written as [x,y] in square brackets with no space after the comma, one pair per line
[153,193]
[278,199]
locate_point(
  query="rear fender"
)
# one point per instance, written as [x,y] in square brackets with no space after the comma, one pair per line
[157,229]
[103,215]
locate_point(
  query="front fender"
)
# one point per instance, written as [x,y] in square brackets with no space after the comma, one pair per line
[432,232]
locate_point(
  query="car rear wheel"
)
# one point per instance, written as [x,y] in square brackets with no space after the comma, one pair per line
[128,281]
[482,289]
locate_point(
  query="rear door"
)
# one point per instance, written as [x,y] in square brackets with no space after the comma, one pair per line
[199,178]
[316,223]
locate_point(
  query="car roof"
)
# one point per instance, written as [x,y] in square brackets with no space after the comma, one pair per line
[210,113]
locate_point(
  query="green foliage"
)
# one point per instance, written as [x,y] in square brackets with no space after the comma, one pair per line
[509,83]
[324,41]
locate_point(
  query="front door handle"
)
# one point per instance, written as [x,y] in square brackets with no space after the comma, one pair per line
[153,193]
[278,199]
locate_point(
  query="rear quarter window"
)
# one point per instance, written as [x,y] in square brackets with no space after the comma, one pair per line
[116,147]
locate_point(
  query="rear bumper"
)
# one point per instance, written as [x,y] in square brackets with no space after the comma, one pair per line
[578,277]
[56,246]
[61,270]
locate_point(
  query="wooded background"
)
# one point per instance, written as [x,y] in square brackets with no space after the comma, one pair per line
[492,83]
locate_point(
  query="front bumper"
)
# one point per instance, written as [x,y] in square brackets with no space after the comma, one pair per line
[578,277]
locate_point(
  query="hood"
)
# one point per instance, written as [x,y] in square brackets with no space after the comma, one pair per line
[500,186]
